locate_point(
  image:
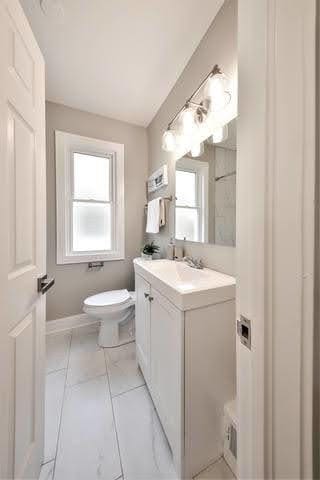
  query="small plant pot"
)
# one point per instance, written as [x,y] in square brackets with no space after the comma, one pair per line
[146,257]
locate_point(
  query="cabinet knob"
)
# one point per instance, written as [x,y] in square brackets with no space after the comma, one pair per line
[146,295]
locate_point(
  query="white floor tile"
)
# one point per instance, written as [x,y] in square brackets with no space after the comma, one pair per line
[217,471]
[87,445]
[57,346]
[144,449]
[47,471]
[55,383]
[123,370]
[86,358]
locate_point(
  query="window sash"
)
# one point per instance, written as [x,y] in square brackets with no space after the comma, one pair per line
[108,156]
[198,210]
[73,199]
[196,193]
[198,198]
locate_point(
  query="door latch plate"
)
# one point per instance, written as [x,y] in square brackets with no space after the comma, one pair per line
[244,331]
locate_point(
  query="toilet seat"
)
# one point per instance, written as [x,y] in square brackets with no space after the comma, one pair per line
[108,299]
[109,302]
[113,308]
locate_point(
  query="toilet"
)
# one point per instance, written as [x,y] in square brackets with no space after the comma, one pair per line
[114,309]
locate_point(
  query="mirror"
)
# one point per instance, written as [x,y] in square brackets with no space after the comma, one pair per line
[206,191]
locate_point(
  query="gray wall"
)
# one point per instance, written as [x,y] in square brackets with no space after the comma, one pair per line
[74,282]
[219,45]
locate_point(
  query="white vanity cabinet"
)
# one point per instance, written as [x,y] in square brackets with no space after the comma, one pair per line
[185,340]
[142,325]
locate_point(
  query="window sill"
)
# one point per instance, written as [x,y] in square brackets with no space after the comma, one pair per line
[73,259]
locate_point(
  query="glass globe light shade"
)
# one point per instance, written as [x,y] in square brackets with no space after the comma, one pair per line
[197,149]
[219,134]
[188,122]
[216,92]
[168,141]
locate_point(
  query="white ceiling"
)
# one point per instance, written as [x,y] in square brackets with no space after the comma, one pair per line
[118,58]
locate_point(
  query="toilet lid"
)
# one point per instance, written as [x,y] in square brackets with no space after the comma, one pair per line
[104,299]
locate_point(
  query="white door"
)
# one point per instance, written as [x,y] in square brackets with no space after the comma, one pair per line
[22,240]
[275,232]
[142,324]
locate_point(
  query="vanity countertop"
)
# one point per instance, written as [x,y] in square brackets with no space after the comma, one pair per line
[186,287]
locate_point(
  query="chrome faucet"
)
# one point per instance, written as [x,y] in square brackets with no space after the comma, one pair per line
[193,262]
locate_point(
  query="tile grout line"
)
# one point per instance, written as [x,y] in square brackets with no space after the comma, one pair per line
[85,381]
[55,371]
[63,401]
[129,390]
[48,461]
[113,415]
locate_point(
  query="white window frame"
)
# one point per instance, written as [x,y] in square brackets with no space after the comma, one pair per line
[66,145]
[201,170]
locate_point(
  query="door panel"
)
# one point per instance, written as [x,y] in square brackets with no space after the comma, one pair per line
[143,325]
[23,241]
[21,166]
[167,371]
[24,347]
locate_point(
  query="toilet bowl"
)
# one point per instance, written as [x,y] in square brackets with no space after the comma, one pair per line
[114,309]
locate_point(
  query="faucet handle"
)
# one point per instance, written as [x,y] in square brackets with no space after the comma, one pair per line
[200,263]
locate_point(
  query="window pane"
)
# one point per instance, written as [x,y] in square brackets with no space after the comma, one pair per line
[91,177]
[186,188]
[91,227]
[187,224]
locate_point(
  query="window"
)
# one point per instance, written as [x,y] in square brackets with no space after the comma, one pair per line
[90,207]
[191,201]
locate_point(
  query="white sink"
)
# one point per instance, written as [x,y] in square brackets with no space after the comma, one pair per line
[184,286]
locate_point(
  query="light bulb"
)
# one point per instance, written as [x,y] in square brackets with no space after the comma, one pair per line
[168,141]
[188,122]
[216,92]
[219,134]
[197,149]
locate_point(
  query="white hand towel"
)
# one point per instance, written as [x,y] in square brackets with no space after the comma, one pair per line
[153,216]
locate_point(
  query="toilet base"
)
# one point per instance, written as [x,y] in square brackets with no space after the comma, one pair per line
[114,334]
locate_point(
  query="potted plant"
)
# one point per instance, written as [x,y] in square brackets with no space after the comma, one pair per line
[148,250]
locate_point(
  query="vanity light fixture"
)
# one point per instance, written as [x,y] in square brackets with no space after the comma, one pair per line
[219,134]
[197,149]
[194,114]
[169,141]
[217,96]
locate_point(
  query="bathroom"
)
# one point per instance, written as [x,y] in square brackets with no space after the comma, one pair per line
[151,280]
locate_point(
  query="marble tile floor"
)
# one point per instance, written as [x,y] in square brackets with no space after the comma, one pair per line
[100,422]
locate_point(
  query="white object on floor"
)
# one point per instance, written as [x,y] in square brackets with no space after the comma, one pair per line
[113,308]
[154,215]
[230,435]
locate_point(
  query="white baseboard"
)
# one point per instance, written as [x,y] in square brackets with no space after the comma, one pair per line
[67,323]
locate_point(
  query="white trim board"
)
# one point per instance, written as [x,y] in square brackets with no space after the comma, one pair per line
[67,323]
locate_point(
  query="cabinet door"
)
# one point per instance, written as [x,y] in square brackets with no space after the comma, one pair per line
[143,325]
[167,367]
